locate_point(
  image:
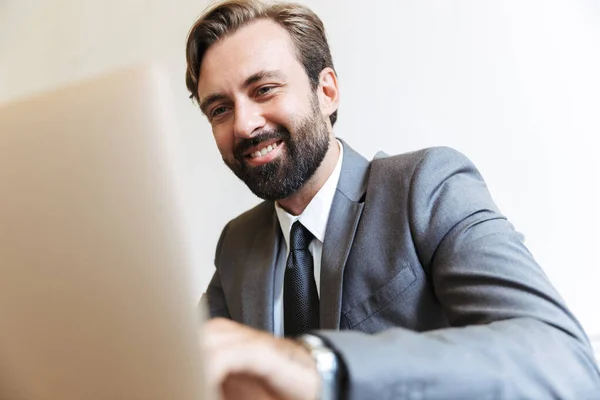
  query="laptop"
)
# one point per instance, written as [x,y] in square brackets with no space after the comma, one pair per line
[96,292]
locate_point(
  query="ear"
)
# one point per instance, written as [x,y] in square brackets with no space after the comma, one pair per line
[328,92]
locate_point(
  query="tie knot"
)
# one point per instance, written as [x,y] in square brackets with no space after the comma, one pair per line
[300,237]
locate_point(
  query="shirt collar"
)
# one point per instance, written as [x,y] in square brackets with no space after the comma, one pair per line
[315,215]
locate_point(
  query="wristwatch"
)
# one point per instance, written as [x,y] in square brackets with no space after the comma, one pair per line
[327,364]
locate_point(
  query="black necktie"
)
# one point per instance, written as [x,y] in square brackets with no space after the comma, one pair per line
[300,296]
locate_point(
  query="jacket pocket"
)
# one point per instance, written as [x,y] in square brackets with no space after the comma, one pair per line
[381,297]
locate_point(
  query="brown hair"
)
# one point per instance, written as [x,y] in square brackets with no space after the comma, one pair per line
[224,18]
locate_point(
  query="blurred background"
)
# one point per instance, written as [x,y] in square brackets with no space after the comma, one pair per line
[514,85]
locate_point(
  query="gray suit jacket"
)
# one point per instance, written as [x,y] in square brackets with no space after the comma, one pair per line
[427,291]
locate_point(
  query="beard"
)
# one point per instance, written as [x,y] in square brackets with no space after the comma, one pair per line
[297,163]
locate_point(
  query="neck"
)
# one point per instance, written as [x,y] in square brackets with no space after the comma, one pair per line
[297,202]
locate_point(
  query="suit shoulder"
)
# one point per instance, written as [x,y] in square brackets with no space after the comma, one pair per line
[240,231]
[256,215]
[406,165]
[413,159]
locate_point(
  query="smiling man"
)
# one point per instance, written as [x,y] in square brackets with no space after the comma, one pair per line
[394,278]
[267,116]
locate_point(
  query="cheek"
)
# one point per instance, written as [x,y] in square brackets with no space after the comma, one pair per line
[287,111]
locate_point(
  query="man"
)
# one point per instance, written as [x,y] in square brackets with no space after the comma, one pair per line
[391,279]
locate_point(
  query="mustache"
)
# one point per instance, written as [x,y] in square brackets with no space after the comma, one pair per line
[275,134]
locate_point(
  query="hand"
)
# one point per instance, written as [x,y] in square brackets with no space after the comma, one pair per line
[241,360]
[245,387]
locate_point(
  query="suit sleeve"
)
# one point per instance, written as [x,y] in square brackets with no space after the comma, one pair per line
[214,297]
[511,335]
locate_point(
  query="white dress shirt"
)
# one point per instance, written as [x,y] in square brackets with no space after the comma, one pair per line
[314,218]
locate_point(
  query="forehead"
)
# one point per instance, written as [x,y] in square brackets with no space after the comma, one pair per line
[260,45]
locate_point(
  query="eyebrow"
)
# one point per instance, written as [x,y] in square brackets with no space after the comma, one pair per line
[213,98]
[256,77]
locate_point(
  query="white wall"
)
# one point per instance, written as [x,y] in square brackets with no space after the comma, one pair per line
[512,84]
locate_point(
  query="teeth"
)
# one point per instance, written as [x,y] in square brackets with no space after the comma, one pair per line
[263,151]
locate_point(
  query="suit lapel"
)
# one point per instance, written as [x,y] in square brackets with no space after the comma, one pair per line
[338,241]
[256,281]
[344,216]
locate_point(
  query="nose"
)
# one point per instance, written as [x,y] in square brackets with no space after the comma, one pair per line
[248,119]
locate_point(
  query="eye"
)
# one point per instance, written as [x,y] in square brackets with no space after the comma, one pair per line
[264,90]
[218,111]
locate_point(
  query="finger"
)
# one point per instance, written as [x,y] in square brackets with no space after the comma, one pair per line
[240,387]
